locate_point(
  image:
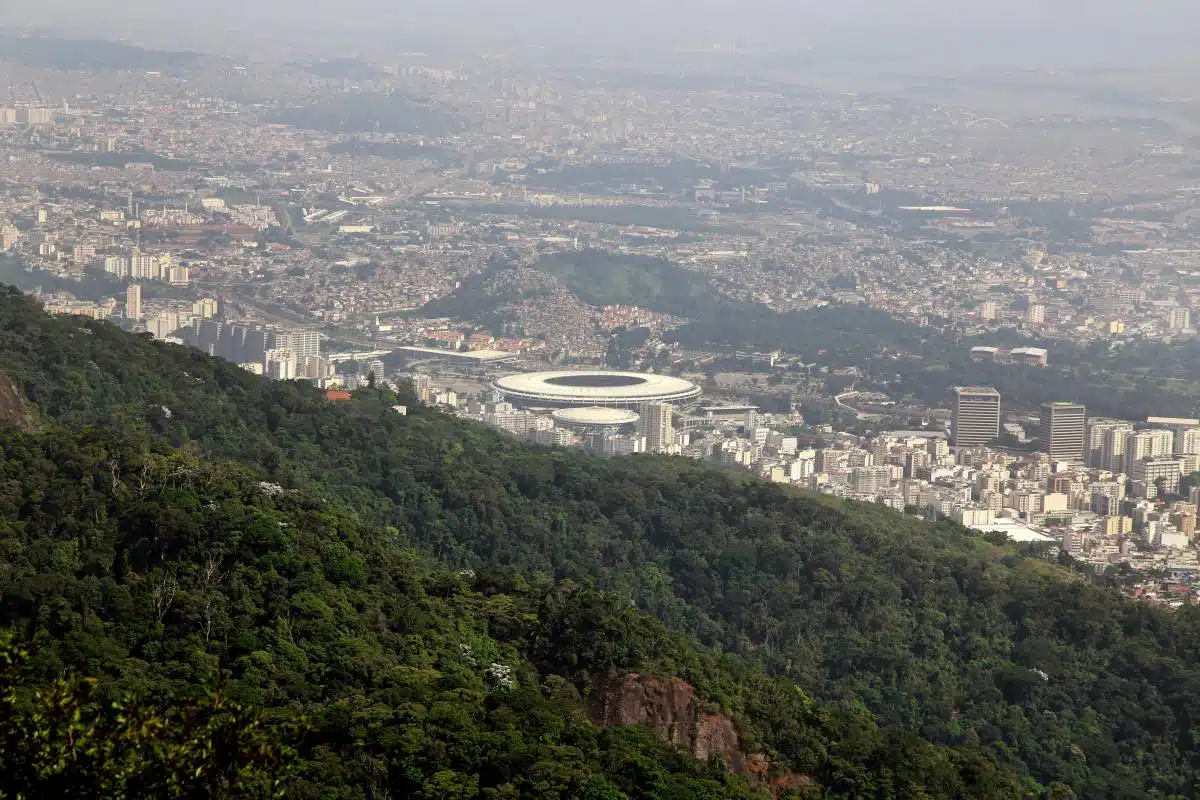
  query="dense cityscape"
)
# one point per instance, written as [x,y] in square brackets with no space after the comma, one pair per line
[569,401]
[333,230]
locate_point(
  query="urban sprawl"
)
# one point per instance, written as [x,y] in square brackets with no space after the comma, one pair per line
[955,311]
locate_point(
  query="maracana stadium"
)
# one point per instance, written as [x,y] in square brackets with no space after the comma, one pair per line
[604,388]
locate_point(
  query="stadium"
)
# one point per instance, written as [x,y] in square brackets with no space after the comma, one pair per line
[588,419]
[603,388]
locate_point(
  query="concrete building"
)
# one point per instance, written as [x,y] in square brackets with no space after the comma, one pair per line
[1187,442]
[658,427]
[280,364]
[302,343]
[869,480]
[1154,477]
[8,236]
[976,419]
[35,116]
[133,302]
[1142,445]
[117,265]
[1062,432]
[178,276]
[1097,434]
[205,307]
[1113,453]
[421,384]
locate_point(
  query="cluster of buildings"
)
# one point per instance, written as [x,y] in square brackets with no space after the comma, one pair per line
[184,193]
[142,266]
[27,115]
[281,355]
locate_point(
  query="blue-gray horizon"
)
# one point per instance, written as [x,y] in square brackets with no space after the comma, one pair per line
[1018,33]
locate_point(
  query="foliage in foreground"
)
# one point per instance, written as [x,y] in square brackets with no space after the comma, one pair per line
[67,738]
[158,573]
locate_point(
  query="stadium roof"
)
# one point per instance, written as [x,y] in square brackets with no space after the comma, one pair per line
[597,416]
[480,356]
[596,388]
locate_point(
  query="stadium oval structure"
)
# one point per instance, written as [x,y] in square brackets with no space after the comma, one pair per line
[604,388]
[588,417]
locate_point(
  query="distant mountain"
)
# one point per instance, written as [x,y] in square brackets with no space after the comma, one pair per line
[89,54]
[344,69]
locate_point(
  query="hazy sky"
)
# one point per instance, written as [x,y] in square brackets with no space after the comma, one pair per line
[1123,31]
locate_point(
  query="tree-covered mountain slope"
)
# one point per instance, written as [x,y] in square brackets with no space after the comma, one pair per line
[933,630]
[161,574]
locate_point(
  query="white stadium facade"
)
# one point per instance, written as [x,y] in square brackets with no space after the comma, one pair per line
[590,418]
[595,388]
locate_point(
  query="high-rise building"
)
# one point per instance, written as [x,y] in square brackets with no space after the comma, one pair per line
[1037,313]
[1187,442]
[205,307]
[117,265]
[1113,454]
[1142,445]
[164,324]
[976,419]
[1179,319]
[133,302]
[987,311]
[1093,451]
[421,384]
[1154,477]
[142,265]
[35,116]
[1062,432]
[869,480]
[1185,520]
[280,364]
[659,428]
[302,343]
[313,369]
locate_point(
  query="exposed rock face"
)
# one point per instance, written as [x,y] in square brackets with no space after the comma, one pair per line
[14,410]
[669,708]
[716,736]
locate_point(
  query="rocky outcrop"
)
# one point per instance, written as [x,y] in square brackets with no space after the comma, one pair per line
[716,736]
[668,706]
[14,410]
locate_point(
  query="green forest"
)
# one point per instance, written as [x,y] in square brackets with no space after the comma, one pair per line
[204,574]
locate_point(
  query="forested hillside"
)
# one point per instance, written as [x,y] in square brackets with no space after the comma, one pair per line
[163,574]
[927,629]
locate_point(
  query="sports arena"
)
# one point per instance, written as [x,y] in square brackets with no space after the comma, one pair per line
[595,388]
[587,419]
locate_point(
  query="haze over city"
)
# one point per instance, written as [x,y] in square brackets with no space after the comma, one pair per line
[933,35]
[642,400]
